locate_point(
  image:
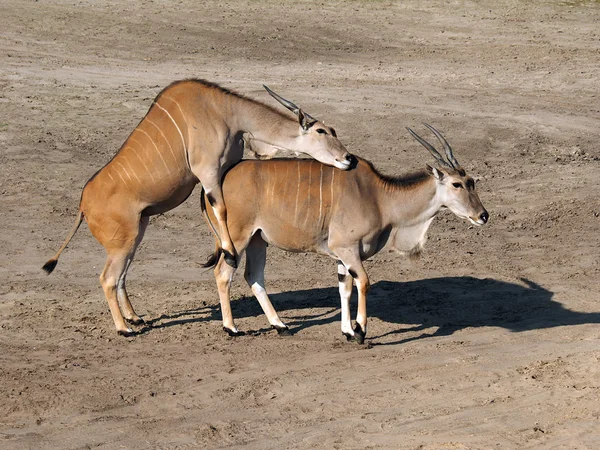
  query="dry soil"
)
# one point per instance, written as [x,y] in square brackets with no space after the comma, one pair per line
[491,341]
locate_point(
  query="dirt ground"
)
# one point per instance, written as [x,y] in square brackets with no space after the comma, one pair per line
[491,341]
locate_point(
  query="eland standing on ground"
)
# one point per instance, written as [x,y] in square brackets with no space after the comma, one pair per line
[305,206]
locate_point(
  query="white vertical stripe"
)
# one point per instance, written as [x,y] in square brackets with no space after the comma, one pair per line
[165,138]
[176,126]
[156,148]
[121,177]
[132,169]
[320,197]
[125,170]
[308,193]
[297,194]
[140,158]
[180,110]
[187,126]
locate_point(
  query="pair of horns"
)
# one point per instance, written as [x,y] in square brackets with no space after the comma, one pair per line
[306,120]
[451,161]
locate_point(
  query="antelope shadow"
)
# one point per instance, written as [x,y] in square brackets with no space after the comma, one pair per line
[447,304]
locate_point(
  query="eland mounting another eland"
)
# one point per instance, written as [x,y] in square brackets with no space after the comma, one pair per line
[305,206]
[193,132]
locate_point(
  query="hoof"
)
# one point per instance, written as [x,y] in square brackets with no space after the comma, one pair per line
[282,331]
[359,334]
[136,321]
[233,333]
[349,337]
[230,260]
[126,333]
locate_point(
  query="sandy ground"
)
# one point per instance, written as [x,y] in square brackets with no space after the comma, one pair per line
[491,341]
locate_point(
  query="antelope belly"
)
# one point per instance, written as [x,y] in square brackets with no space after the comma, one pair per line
[294,239]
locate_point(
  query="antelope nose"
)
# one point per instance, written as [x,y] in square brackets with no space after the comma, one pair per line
[345,162]
[484,217]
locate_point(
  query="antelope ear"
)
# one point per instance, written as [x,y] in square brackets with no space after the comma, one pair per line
[302,120]
[438,174]
[305,120]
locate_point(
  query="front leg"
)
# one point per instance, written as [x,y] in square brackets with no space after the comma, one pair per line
[353,264]
[362,286]
[256,257]
[345,287]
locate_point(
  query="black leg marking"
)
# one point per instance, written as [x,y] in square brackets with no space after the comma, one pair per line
[138,321]
[341,277]
[352,273]
[230,259]
[282,331]
[211,199]
[349,337]
[359,334]
[233,333]
[126,333]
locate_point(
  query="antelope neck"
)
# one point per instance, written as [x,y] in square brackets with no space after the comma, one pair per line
[410,205]
[265,124]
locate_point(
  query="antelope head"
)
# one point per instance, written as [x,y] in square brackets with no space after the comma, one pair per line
[455,189]
[315,138]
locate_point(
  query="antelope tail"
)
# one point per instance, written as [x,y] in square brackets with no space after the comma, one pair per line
[214,258]
[51,264]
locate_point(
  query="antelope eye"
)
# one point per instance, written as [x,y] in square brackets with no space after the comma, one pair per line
[457,185]
[321,131]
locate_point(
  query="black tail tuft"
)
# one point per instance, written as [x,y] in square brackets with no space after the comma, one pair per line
[50,265]
[213,260]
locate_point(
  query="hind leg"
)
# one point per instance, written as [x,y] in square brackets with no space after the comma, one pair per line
[119,236]
[116,265]
[256,256]
[122,296]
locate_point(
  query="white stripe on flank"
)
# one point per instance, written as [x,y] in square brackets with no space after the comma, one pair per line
[308,196]
[180,110]
[121,177]
[331,199]
[165,138]
[320,197]
[187,127]
[140,158]
[124,170]
[297,194]
[132,169]
[176,126]
[109,175]
[157,150]
[273,189]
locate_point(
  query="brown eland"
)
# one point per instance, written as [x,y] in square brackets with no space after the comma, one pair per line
[304,206]
[193,132]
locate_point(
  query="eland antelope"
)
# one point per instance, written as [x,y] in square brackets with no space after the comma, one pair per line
[193,132]
[305,206]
